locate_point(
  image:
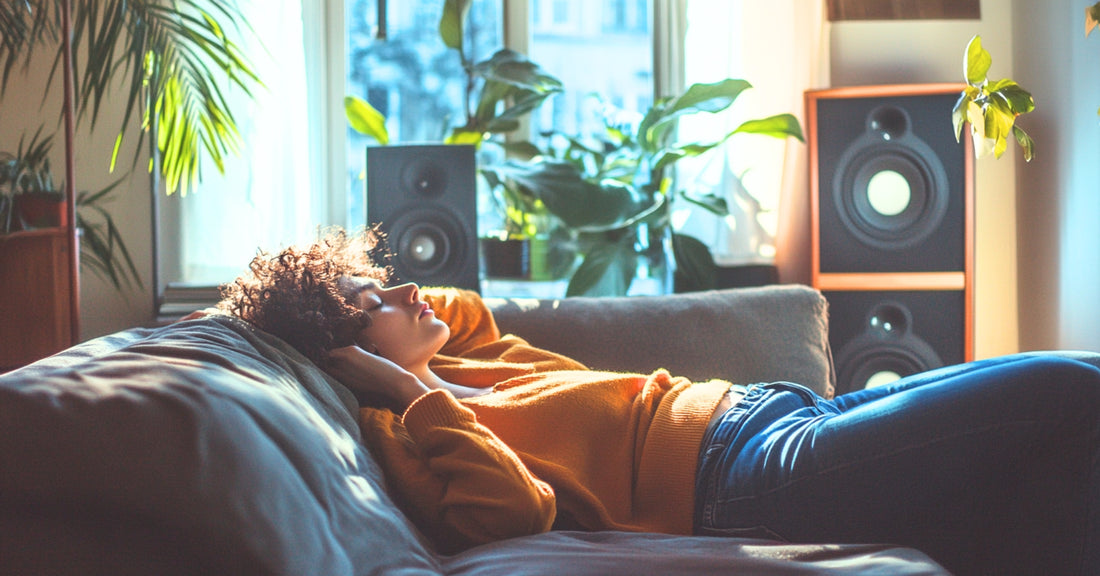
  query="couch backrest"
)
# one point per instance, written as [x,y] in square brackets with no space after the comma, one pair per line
[744,335]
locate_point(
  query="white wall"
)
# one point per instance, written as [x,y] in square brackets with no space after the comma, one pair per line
[1059,192]
[932,51]
[1040,44]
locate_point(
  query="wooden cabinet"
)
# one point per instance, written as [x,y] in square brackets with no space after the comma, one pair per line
[35,301]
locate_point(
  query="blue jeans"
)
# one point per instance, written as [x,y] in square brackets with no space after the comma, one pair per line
[988,467]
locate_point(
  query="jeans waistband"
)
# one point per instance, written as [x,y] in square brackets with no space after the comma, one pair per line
[761,405]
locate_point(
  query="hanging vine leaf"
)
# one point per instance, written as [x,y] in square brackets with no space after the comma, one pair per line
[1092,18]
[991,108]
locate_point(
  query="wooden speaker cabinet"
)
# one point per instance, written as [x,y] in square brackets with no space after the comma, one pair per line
[892,228]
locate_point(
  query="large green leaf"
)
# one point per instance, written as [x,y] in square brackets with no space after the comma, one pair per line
[958,113]
[778,126]
[712,202]
[366,119]
[453,22]
[1018,100]
[608,269]
[977,62]
[695,267]
[580,204]
[700,97]
[1025,142]
[511,67]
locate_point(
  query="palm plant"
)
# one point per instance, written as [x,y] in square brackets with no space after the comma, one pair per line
[172,56]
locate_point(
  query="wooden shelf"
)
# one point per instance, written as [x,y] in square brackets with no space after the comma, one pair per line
[35,301]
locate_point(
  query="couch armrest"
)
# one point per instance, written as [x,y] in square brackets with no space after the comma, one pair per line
[744,335]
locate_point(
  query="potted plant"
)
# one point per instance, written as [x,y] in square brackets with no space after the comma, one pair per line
[499,92]
[29,200]
[616,197]
[28,197]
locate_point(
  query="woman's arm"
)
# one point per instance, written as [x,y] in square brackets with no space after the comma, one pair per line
[455,479]
[372,375]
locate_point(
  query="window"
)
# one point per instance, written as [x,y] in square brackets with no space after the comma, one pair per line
[303,166]
[599,59]
[418,83]
[265,197]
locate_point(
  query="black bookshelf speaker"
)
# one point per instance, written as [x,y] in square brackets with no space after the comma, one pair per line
[881,335]
[424,199]
[892,183]
[892,211]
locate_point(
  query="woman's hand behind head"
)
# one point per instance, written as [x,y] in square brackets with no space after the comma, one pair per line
[369,375]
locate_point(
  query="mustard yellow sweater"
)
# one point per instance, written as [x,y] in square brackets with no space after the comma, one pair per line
[553,445]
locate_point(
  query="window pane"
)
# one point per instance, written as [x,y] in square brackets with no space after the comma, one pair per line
[603,48]
[411,77]
[264,198]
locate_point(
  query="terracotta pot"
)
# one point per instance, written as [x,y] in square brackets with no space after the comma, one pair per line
[41,211]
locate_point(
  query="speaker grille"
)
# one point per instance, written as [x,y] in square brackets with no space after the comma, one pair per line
[899,331]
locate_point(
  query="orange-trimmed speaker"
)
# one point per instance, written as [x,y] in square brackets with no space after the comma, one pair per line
[892,234]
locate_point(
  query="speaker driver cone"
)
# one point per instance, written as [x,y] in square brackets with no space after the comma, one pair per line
[428,244]
[890,189]
[885,351]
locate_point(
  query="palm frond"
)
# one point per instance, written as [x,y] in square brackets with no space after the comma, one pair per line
[173,55]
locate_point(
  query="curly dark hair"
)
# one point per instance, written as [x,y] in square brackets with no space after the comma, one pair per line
[296,294]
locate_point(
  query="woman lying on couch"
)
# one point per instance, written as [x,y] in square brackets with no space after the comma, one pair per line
[989,467]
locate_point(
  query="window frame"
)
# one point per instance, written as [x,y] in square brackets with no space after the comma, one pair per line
[325,40]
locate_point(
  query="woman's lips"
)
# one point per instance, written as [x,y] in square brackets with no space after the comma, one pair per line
[425,310]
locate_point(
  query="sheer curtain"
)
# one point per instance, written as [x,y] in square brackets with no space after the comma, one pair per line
[781,48]
[266,198]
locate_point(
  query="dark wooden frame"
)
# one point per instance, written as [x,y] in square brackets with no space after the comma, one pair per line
[840,10]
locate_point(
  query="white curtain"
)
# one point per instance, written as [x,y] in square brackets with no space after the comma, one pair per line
[781,48]
[265,198]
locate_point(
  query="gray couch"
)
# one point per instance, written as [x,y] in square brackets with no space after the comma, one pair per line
[206,447]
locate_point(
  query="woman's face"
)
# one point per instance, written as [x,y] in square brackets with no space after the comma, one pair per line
[403,329]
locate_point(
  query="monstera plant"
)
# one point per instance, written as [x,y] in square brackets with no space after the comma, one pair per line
[617,196]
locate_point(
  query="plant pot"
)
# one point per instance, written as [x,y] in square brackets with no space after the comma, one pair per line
[40,211]
[506,258]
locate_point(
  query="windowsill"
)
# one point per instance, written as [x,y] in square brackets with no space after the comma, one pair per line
[180,299]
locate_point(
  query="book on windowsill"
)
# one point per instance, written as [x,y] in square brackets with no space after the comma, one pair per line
[180,299]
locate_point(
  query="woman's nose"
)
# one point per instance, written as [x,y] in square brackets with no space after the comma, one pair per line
[409,292]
